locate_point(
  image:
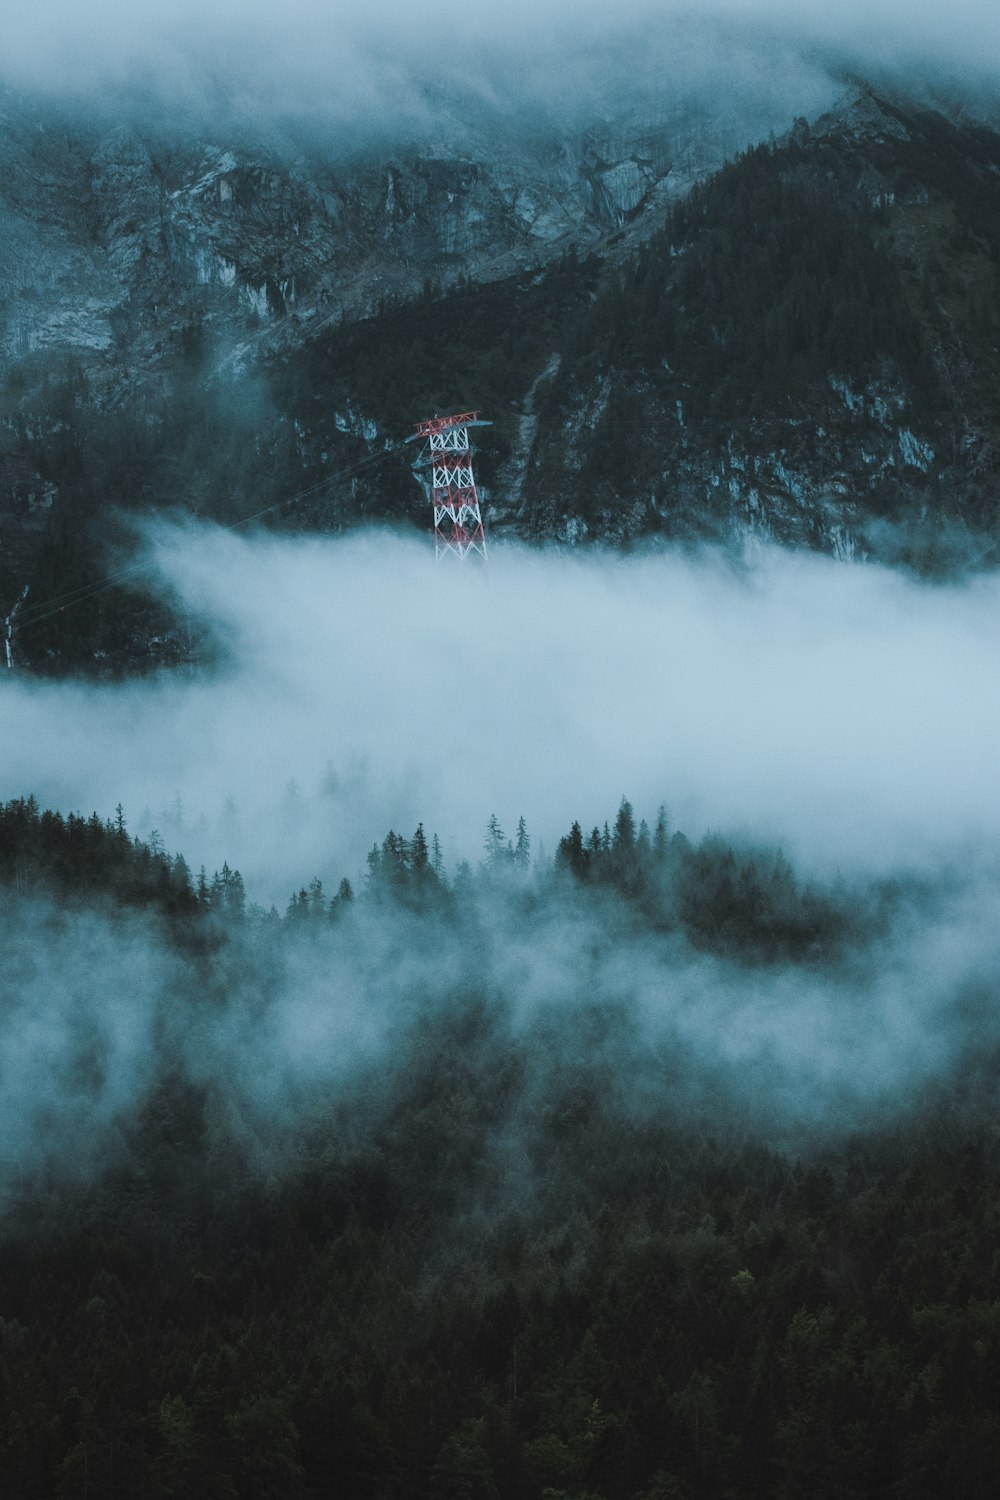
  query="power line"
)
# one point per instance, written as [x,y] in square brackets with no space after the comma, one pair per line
[34,615]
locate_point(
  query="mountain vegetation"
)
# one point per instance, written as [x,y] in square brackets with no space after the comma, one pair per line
[517,1252]
[652,1168]
[803,349]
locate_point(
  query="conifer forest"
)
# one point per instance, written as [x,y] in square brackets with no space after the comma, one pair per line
[499,729]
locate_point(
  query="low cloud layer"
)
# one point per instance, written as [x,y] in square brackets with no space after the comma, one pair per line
[395,65]
[848,712]
[99,1011]
[845,712]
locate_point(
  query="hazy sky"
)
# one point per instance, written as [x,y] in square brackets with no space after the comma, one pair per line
[843,710]
[339,57]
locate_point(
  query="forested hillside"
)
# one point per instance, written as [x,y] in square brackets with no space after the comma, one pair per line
[611,1151]
[805,349]
[373,1207]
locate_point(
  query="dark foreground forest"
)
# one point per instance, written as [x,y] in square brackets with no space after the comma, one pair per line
[643,1173]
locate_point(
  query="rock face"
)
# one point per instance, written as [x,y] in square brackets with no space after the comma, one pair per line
[130,257]
[112,241]
[218,325]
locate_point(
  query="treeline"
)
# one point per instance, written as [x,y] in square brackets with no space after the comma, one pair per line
[748,905]
[514,1248]
[92,860]
[744,904]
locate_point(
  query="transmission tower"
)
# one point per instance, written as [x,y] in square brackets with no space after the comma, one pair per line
[447,455]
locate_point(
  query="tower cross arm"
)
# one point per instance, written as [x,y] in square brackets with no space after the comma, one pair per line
[434,425]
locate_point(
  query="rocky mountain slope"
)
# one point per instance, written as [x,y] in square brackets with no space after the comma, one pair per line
[800,345]
[113,238]
[808,352]
[138,266]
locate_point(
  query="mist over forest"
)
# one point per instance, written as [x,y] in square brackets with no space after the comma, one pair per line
[846,713]
[522,1030]
[566,1103]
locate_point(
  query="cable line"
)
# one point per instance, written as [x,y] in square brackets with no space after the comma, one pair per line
[34,615]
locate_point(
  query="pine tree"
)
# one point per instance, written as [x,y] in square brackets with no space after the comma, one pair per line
[522,848]
[298,907]
[395,860]
[494,843]
[660,834]
[570,851]
[419,856]
[236,897]
[624,835]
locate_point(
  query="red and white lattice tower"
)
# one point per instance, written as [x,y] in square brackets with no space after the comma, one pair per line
[444,468]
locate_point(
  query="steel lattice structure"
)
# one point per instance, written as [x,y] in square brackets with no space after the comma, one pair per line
[444,468]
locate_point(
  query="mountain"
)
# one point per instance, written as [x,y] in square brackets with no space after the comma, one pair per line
[807,352]
[115,238]
[796,343]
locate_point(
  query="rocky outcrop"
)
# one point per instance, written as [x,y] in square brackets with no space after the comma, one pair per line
[111,240]
[200,324]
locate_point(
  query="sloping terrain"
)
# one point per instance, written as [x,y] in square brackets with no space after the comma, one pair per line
[802,348]
[807,352]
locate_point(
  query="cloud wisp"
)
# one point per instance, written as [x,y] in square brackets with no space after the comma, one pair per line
[282,1029]
[337,62]
[845,712]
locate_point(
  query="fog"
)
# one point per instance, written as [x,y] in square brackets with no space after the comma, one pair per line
[99,1009]
[844,712]
[393,65]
